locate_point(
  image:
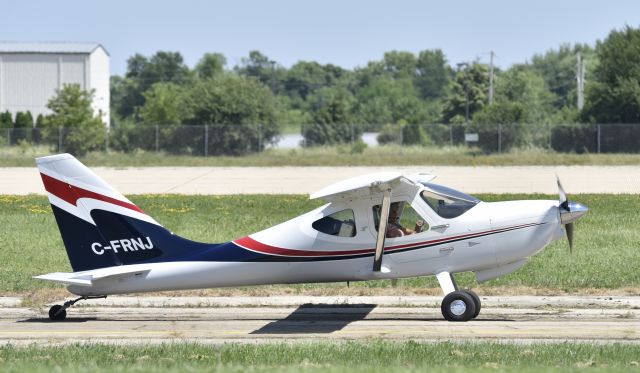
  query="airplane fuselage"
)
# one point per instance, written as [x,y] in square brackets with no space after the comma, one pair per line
[503,233]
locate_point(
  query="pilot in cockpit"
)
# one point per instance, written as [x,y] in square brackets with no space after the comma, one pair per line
[394,228]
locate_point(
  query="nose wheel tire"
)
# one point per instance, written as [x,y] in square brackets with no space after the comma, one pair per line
[476,300]
[57,313]
[458,306]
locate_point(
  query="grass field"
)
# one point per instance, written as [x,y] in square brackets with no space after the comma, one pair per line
[372,356]
[606,252]
[333,156]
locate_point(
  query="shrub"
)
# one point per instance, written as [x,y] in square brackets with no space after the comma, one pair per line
[71,110]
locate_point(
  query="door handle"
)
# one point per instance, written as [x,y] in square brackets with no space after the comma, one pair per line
[441,226]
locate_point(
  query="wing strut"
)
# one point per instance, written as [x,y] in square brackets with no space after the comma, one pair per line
[382,229]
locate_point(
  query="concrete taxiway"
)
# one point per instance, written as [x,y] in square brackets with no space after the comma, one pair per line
[215,320]
[303,180]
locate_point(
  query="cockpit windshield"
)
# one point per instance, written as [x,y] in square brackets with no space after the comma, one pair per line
[446,202]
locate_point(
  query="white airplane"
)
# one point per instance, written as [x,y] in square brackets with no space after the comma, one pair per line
[378,226]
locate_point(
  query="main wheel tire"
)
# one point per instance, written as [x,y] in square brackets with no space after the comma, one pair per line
[458,306]
[476,300]
[56,313]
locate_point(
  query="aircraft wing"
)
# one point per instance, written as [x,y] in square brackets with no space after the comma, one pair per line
[87,278]
[364,185]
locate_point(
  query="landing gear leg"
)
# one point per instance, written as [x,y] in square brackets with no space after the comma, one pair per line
[59,312]
[457,305]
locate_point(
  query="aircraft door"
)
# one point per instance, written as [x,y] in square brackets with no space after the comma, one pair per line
[407,231]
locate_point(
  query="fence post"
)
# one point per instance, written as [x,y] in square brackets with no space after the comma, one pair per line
[259,136]
[157,139]
[550,134]
[8,136]
[499,138]
[106,141]
[353,134]
[304,138]
[206,140]
[599,139]
[401,135]
[451,134]
[59,139]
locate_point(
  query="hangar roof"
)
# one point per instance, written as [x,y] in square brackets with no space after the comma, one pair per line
[49,47]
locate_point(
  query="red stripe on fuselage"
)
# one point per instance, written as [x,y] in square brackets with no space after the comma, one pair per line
[253,245]
[71,194]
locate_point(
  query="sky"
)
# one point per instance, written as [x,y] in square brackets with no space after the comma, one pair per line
[341,32]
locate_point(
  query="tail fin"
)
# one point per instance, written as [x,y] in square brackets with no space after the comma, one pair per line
[99,226]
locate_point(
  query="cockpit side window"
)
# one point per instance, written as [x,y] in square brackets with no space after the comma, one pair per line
[403,220]
[341,224]
[447,202]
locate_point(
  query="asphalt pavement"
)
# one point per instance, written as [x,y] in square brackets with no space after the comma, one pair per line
[216,320]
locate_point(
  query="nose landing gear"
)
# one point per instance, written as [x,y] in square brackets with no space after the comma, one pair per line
[457,305]
[59,312]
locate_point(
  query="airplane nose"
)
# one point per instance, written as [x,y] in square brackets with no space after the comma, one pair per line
[572,212]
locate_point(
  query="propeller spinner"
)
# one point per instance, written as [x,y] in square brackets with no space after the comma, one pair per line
[569,212]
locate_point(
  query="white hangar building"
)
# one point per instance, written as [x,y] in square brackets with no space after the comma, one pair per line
[30,74]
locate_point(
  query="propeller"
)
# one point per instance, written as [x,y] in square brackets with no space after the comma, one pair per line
[569,213]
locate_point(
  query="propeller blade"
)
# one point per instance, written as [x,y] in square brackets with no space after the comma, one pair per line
[564,201]
[569,229]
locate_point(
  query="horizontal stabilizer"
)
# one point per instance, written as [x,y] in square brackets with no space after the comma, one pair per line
[66,278]
[87,278]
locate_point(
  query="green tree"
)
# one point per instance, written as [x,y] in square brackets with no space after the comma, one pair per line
[403,133]
[24,120]
[164,105]
[128,93]
[501,122]
[38,129]
[23,126]
[400,64]
[387,100]
[260,67]
[332,118]
[6,120]
[614,95]
[71,110]
[243,112]
[468,88]
[39,121]
[526,86]
[558,69]
[305,78]
[432,74]
[210,65]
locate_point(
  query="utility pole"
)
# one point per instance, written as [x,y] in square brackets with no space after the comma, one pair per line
[491,78]
[273,77]
[580,80]
[466,88]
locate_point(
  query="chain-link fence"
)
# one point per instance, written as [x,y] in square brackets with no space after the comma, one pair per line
[204,140]
[498,138]
[212,140]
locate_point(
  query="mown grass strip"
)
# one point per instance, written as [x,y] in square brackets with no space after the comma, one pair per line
[367,356]
[606,253]
[388,155]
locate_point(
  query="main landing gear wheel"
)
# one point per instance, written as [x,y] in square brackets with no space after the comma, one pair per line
[57,313]
[476,300]
[458,306]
